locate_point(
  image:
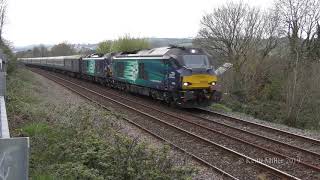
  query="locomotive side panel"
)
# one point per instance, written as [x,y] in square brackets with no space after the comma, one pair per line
[94,67]
[88,67]
[149,73]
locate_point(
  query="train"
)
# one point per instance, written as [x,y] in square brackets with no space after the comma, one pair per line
[179,76]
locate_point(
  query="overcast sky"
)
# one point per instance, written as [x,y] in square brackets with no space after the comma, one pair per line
[91,21]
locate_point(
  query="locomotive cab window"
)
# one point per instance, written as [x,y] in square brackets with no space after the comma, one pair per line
[173,63]
[196,61]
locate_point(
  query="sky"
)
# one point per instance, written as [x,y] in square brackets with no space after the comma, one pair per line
[91,21]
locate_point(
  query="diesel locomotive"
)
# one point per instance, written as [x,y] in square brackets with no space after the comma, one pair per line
[176,75]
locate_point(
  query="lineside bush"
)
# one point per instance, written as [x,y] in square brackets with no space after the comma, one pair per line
[11,59]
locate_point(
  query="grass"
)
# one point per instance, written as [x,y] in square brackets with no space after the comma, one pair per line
[220,107]
[72,140]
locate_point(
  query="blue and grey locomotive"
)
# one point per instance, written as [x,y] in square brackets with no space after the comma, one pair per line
[177,75]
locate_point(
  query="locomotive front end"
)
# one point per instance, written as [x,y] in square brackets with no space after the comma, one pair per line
[198,82]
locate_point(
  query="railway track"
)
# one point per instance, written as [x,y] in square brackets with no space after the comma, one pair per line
[279,132]
[219,150]
[289,139]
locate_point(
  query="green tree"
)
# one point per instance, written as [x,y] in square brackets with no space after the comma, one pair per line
[104,47]
[129,44]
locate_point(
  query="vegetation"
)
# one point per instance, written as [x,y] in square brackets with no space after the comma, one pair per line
[80,141]
[123,44]
[3,16]
[11,58]
[104,47]
[42,51]
[129,44]
[275,54]
[63,49]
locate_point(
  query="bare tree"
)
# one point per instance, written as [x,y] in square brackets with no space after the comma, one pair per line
[63,49]
[43,50]
[3,16]
[236,33]
[35,52]
[233,30]
[300,19]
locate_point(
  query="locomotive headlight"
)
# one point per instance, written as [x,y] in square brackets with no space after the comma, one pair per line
[213,83]
[186,84]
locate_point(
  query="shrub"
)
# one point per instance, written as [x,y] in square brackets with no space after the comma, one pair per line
[11,59]
[69,154]
[104,47]
[129,44]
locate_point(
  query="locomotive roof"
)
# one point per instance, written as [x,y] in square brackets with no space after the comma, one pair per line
[153,52]
[162,52]
[170,51]
[53,58]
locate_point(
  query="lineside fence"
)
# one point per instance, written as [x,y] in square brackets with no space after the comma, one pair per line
[14,152]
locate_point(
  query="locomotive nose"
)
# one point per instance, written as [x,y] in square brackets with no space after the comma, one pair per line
[198,81]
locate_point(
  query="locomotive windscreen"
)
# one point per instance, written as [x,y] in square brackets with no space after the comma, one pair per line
[196,61]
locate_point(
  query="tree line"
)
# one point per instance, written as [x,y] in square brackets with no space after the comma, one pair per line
[61,49]
[122,44]
[275,55]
